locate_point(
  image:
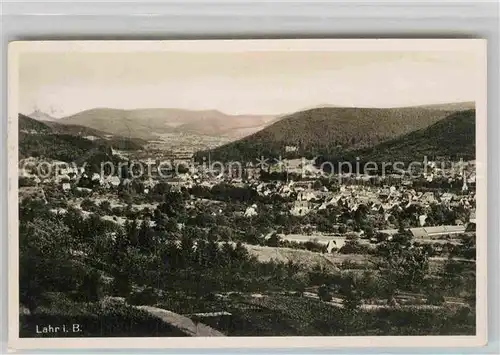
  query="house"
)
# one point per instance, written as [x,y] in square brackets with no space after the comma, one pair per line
[446,197]
[66,186]
[251,211]
[150,183]
[113,181]
[422,219]
[384,193]
[472,178]
[431,164]
[126,182]
[306,195]
[428,232]
[300,208]
[428,198]
[335,243]
[472,217]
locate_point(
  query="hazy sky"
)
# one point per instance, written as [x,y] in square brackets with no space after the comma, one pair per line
[64,83]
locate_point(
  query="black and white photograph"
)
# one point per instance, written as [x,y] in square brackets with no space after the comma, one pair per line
[300,189]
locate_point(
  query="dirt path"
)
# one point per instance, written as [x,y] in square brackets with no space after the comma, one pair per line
[183,323]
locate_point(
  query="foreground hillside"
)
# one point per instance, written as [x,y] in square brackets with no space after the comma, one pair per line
[147,123]
[453,137]
[220,271]
[329,130]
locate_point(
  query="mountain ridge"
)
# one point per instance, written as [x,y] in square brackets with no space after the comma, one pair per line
[149,123]
[327,131]
[453,136]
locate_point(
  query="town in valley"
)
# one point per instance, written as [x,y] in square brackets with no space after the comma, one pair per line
[310,220]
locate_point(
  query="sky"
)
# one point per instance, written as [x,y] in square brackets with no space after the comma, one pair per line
[254,82]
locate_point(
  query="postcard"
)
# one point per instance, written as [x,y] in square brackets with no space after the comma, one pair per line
[311,193]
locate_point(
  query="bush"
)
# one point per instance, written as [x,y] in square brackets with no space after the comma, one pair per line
[105,206]
[91,288]
[88,205]
[324,293]
[117,211]
[351,293]
[353,246]
[315,246]
[121,286]
[434,297]
[26,181]
[147,296]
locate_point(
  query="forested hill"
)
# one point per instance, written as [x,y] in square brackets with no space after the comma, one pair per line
[29,124]
[452,137]
[329,130]
[69,143]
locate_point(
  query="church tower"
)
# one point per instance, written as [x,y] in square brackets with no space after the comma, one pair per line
[464,186]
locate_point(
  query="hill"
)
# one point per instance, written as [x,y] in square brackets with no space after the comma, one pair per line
[66,143]
[147,123]
[29,125]
[116,141]
[220,124]
[54,146]
[454,137]
[329,130]
[75,130]
[41,116]
[454,106]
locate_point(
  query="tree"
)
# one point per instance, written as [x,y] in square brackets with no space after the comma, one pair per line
[240,252]
[219,232]
[453,272]
[404,264]
[186,248]
[91,288]
[212,252]
[353,246]
[434,296]
[145,236]
[227,252]
[44,246]
[26,181]
[105,207]
[131,228]
[274,240]
[324,293]
[467,248]
[173,205]
[88,205]
[351,293]
[160,220]
[121,285]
